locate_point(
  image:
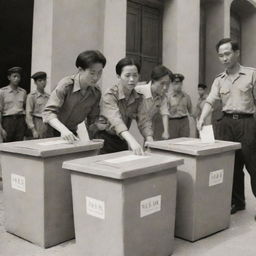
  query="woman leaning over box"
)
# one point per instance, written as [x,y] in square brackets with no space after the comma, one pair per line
[120,105]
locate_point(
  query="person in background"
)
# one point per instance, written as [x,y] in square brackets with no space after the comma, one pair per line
[236,87]
[12,107]
[154,93]
[36,102]
[76,98]
[120,105]
[175,110]
[202,92]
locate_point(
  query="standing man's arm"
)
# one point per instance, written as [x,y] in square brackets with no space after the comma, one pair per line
[2,131]
[189,105]
[29,118]
[165,118]
[213,96]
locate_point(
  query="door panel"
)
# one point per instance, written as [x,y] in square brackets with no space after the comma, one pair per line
[144,36]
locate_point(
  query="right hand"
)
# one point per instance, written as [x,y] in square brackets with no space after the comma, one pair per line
[35,134]
[165,135]
[68,136]
[3,133]
[136,147]
[200,124]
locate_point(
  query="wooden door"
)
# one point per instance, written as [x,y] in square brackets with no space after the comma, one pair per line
[144,34]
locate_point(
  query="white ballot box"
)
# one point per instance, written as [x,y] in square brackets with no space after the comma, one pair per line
[124,204]
[204,184]
[37,192]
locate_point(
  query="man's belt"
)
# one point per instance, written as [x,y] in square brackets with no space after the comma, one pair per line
[238,115]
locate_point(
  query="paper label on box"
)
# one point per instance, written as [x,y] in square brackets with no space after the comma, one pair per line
[125,159]
[95,207]
[150,206]
[18,182]
[216,177]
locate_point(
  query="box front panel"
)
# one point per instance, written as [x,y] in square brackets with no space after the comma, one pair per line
[213,193]
[23,186]
[149,214]
[98,214]
[59,221]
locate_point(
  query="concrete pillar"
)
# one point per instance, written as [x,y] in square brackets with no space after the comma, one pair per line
[181,27]
[217,27]
[114,40]
[42,39]
[62,29]
[181,41]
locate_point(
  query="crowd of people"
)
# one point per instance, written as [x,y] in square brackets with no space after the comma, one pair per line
[77,98]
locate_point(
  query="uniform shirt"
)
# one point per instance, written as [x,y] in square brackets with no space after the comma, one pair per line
[150,104]
[72,105]
[12,102]
[200,105]
[237,92]
[36,102]
[176,105]
[120,111]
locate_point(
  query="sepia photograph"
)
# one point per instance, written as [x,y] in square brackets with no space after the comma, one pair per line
[127,127]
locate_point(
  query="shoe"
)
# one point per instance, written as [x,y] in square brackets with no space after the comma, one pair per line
[236,208]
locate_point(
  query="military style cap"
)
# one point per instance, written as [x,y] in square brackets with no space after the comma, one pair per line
[39,75]
[177,77]
[14,70]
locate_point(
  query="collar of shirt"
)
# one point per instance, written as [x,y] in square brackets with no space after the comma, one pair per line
[77,86]
[180,94]
[10,89]
[39,94]
[134,95]
[241,71]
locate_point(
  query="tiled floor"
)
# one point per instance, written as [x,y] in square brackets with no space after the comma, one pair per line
[238,240]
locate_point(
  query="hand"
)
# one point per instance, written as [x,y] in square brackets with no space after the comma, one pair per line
[69,136]
[35,133]
[136,147]
[200,124]
[165,135]
[3,133]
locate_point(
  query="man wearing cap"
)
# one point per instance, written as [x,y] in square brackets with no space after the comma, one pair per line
[236,87]
[36,102]
[175,110]
[12,104]
[200,104]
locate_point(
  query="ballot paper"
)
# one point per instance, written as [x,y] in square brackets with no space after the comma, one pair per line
[125,159]
[82,132]
[206,134]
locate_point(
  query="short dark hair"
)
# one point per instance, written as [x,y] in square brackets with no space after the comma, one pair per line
[87,58]
[234,44]
[160,71]
[126,62]
[203,86]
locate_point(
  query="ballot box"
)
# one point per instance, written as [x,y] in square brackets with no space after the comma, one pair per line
[124,204]
[37,192]
[204,184]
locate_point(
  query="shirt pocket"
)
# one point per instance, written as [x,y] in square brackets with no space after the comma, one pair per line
[245,91]
[224,94]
